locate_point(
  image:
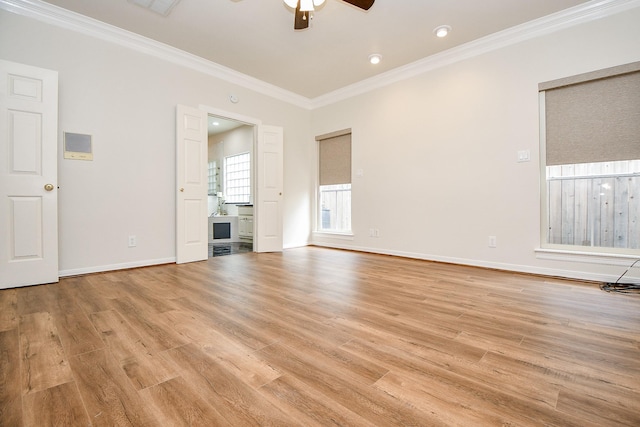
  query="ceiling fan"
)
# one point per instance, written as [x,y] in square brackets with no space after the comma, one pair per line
[305,7]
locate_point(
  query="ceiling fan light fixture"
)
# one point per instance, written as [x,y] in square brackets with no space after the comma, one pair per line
[375,58]
[442,31]
[318,2]
[306,5]
[291,3]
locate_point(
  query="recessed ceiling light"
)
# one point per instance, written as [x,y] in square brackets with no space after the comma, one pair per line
[442,30]
[215,124]
[375,58]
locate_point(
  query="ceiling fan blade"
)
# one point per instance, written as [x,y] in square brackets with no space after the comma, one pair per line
[301,19]
[362,4]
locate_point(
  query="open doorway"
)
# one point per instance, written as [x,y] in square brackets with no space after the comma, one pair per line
[231,188]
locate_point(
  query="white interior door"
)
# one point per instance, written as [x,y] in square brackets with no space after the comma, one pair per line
[191,185]
[28,175]
[269,178]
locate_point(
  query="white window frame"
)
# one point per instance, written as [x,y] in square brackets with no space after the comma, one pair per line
[320,210]
[566,252]
[318,230]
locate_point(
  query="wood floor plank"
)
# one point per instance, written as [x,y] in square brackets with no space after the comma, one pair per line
[309,407]
[36,299]
[85,295]
[144,366]
[474,406]
[376,407]
[77,334]
[235,357]
[563,378]
[156,333]
[405,357]
[9,312]
[56,406]
[227,323]
[10,389]
[136,290]
[574,363]
[238,402]
[109,397]
[44,363]
[177,403]
[589,404]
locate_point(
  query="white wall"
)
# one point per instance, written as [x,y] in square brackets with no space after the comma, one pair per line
[438,151]
[127,101]
[235,141]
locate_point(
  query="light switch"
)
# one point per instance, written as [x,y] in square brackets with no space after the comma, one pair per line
[524,156]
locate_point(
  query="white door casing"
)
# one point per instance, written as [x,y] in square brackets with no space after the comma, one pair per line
[28,175]
[191,185]
[269,182]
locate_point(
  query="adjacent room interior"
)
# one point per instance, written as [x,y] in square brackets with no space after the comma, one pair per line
[230,186]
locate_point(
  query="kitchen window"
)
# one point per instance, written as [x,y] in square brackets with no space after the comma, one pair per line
[237,178]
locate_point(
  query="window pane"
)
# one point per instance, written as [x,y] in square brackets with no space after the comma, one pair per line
[237,181]
[335,208]
[594,204]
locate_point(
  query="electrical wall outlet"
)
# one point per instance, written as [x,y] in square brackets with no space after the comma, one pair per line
[493,242]
[132,241]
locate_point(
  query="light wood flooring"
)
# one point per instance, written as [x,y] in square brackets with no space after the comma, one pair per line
[318,337]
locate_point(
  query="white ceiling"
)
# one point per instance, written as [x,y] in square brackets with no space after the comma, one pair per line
[256,37]
[220,125]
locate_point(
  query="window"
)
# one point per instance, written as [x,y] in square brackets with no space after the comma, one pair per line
[334,189]
[590,127]
[237,178]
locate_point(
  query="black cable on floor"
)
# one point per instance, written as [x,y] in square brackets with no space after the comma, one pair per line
[620,287]
[626,288]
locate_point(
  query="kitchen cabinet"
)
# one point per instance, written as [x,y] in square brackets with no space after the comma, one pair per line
[245,222]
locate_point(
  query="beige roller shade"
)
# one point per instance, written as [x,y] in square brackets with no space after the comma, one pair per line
[335,160]
[594,120]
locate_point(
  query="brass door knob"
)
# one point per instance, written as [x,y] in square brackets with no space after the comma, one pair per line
[182,190]
[48,187]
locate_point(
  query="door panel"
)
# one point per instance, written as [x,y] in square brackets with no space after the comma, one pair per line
[191,184]
[28,177]
[25,136]
[25,214]
[269,182]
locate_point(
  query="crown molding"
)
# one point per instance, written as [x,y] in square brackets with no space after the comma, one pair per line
[60,17]
[586,12]
[54,15]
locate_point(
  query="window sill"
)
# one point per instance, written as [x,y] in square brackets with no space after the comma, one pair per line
[588,257]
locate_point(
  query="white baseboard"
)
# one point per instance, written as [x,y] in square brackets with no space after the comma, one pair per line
[569,274]
[112,267]
[143,263]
